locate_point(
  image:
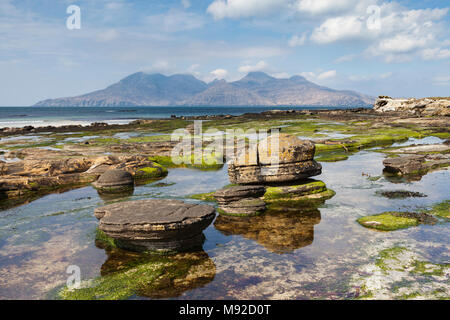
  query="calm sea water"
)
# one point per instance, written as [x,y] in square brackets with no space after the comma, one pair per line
[58,116]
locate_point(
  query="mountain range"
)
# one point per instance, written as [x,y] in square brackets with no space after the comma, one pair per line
[255,89]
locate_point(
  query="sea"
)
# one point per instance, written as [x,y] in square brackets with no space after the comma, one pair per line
[59,116]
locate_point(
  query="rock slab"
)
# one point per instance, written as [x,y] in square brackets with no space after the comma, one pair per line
[156,224]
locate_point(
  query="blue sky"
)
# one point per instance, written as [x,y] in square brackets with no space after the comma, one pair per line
[405,51]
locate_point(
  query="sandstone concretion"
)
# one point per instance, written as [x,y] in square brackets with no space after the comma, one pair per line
[155,225]
[114,180]
[279,158]
[241,200]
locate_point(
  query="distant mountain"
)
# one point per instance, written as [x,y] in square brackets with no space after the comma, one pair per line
[255,89]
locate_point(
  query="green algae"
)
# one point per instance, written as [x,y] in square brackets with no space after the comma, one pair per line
[257,213]
[387,222]
[293,191]
[331,157]
[207,162]
[104,239]
[147,173]
[441,209]
[208,196]
[152,276]
[393,220]
[310,193]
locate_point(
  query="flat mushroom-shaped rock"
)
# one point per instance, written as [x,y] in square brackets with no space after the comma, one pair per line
[155,225]
[114,180]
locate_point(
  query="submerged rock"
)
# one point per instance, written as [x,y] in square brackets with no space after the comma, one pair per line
[155,225]
[400,194]
[258,164]
[114,181]
[126,274]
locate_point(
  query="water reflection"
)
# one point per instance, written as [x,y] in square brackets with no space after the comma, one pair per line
[156,276]
[109,196]
[278,231]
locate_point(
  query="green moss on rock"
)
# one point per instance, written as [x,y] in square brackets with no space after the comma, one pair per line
[310,193]
[387,222]
[441,209]
[152,276]
[154,172]
[208,196]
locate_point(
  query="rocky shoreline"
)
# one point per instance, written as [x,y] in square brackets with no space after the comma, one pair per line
[57,160]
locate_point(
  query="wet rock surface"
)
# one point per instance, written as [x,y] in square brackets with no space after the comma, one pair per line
[114,180]
[155,225]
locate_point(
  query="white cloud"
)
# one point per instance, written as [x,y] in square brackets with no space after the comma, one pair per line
[219,73]
[339,28]
[297,41]
[435,54]
[260,66]
[185,3]
[107,35]
[280,75]
[324,6]
[441,81]
[386,75]
[175,20]
[346,58]
[221,9]
[402,33]
[321,75]
[327,75]
[114,5]
[162,66]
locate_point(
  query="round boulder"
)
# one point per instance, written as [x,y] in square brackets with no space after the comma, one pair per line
[113,181]
[155,225]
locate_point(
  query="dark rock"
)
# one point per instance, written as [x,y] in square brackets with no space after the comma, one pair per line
[243,207]
[114,180]
[400,194]
[155,225]
[235,193]
[241,200]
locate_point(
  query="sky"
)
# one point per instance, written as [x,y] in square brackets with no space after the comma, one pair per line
[377,47]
